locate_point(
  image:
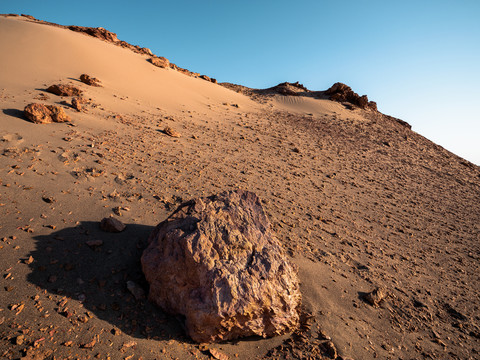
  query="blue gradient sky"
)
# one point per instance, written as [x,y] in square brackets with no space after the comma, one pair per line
[419,60]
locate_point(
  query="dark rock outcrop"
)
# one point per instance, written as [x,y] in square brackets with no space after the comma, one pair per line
[292,89]
[45,114]
[90,80]
[216,261]
[64,90]
[344,93]
[98,32]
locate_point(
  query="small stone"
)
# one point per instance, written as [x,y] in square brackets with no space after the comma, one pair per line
[375,297]
[89,345]
[136,290]
[83,318]
[112,225]
[19,339]
[94,243]
[170,132]
[48,199]
[217,354]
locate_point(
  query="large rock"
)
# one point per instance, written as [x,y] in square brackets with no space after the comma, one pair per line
[64,90]
[216,261]
[344,93]
[160,61]
[45,114]
[90,80]
[98,32]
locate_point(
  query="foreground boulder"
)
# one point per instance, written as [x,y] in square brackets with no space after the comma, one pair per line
[45,114]
[64,90]
[90,80]
[216,261]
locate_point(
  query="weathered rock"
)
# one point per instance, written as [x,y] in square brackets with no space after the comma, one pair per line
[99,32]
[160,62]
[112,225]
[90,80]
[375,297]
[77,103]
[216,261]
[343,93]
[45,114]
[205,77]
[170,132]
[64,90]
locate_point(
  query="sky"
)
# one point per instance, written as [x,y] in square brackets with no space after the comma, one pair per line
[419,60]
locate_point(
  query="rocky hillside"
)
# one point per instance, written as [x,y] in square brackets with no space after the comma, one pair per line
[382,223]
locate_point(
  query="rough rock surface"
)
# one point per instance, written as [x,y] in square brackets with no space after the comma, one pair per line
[160,61]
[112,225]
[90,80]
[216,261]
[64,90]
[77,103]
[98,32]
[343,93]
[170,132]
[45,114]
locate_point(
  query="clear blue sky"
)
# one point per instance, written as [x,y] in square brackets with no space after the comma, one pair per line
[419,60]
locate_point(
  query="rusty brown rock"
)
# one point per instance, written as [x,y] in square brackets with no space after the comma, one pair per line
[375,297]
[170,132]
[217,261]
[90,80]
[64,90]
[98,32]
[160,62]
[45,114]
[112,225]
[77,103]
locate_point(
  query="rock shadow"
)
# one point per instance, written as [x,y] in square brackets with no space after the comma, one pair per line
[14,113]
[96,273]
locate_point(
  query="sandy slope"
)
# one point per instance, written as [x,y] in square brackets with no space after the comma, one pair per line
[359,201]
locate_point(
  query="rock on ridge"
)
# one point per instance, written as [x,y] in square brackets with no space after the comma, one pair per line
[344,93]
[216,261]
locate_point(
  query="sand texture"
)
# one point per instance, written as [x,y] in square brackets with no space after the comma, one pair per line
[359,201]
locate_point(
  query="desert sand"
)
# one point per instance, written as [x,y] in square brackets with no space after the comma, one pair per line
[359,201]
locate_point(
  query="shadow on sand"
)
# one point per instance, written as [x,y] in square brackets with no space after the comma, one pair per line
[14,113]
[66,265]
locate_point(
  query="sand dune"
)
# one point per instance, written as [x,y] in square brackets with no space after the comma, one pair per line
[358,200]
